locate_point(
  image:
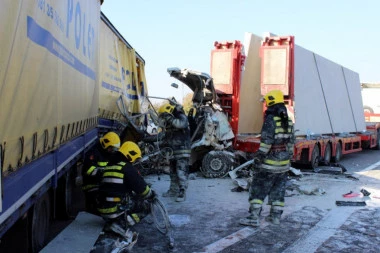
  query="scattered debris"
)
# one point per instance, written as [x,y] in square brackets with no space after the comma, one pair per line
[351,177]
[365,192]
[238,189]
[241,182]
[329,170]
[336,166]
[295,172]
[233,174]
[350,203]
[310,190]
[351,195]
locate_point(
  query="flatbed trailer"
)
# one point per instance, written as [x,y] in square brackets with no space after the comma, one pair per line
[241,78]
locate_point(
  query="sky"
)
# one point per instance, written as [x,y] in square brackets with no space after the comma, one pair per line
[182,33]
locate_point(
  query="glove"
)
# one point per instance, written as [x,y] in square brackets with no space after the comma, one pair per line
[258,157]
[151,195]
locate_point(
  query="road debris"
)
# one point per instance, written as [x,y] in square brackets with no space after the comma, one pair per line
[365,192]
[351,195]
[350,203]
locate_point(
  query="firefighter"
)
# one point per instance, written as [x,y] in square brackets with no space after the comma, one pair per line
[177,135]
[93,165]
[121,182]
[273,161]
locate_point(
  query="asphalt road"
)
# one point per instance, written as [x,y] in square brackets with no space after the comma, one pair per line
[312,222]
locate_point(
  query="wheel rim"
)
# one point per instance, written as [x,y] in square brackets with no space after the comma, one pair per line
[216,164]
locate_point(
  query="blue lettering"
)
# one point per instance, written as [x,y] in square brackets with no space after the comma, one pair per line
[90,42]
[84,29]
[41,5]
[78,25]
[69,16]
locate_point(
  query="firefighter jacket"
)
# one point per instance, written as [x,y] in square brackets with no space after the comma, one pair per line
[177,133]
[277,143]
[93,165]
[118,181]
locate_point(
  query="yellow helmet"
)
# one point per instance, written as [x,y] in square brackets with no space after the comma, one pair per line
[274,97]
[167,107]
[130,150]
[110,139]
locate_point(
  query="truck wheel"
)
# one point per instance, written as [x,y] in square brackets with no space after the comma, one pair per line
[40,223]
[70,198]
[216,164]
[314,162]
[338,153]
[327,156]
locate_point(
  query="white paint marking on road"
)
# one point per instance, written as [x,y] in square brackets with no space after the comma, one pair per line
[322,231]
[308,243]
[371,167]
[229,240]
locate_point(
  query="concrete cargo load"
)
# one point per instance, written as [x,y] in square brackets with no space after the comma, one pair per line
[48,76]
[324,97]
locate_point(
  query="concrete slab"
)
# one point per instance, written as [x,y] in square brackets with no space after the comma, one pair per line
[79,236]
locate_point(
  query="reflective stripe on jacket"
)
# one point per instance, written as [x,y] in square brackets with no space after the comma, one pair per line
[277,143]
[111,191]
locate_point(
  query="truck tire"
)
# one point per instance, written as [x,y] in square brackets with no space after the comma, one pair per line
[338,153]
[216,164]
[70,197]
[40,223]
[314,162]
[327,155]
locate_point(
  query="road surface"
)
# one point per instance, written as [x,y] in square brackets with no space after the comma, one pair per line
[312,222]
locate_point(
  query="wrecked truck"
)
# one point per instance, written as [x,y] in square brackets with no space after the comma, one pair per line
[211,134]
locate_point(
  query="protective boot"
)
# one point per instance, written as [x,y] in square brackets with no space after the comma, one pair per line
[173,190]
[254,218]
[181,196]
[274,215]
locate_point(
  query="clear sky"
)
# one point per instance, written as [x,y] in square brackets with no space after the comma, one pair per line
[182,33]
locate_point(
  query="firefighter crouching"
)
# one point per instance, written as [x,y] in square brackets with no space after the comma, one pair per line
[120,180]
[177,135]
[94,163]
[273,156]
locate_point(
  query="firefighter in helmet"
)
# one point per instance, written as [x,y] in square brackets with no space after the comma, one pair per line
[177,134]
[94,164]
[273,161]
[121,180]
